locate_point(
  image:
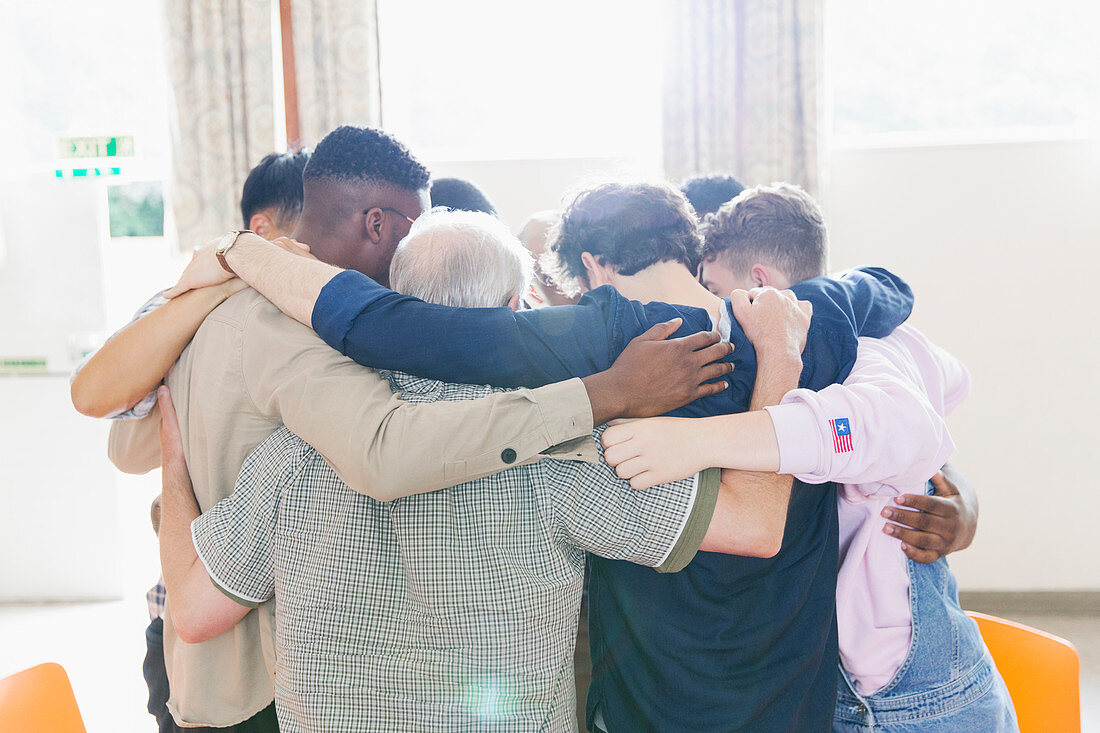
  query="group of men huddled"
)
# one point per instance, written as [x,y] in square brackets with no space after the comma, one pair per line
[378,505]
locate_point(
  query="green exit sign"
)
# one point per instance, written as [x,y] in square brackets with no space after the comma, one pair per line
[97,147]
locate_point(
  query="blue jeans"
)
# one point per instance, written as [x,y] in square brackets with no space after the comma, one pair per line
[947,683]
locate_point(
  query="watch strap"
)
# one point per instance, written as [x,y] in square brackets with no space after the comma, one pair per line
[227,244]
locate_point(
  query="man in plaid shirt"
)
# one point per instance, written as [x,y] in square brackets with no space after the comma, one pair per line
[443,611]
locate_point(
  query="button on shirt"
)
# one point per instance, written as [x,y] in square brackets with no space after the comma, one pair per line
[454,610]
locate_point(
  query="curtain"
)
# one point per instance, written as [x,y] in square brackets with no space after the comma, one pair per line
[220,69]
[741,89]
[336,55]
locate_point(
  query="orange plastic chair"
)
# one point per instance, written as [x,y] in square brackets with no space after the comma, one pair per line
[1042,673]
[39,700]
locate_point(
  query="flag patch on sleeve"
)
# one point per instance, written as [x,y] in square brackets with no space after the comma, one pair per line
[842,435]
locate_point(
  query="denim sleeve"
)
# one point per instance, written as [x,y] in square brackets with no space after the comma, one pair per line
[379,328]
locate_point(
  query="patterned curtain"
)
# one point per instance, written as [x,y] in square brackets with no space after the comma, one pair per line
[741,89]
[220,68]
[336,54]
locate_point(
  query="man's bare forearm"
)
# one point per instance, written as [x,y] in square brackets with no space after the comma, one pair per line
[178,509]
[777,373]
[291,282]
[178,559]
[747,441]
[198,610]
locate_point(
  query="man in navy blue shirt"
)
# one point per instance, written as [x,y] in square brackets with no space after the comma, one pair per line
[729,643]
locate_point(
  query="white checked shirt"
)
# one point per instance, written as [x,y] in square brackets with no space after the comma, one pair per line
[454,610]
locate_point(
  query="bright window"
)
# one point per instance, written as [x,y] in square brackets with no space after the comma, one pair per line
[498,79]
[980,69]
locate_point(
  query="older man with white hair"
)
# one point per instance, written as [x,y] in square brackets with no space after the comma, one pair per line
[443,611]
[465,259]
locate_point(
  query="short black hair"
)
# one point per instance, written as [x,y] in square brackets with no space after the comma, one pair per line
[366,154]
[629,226]
[275,183]
[461,195]
[707,193]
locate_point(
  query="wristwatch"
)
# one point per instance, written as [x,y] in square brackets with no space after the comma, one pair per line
[225,244]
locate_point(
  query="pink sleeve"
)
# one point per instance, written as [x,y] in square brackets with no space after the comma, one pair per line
[879,429]
[956,379]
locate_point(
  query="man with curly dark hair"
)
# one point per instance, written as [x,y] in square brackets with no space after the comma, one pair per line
[623,226]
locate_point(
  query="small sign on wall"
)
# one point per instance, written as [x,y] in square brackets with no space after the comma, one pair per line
[96,147]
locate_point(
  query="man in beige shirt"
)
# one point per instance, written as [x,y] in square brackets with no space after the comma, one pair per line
[251,369]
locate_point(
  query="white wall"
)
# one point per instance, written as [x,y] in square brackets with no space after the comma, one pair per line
[518,188]
[1001,243]
[71,528]
[59,502]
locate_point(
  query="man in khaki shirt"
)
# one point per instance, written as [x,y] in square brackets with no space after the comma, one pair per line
[251,369]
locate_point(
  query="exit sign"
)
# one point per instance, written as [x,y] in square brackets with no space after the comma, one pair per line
[97,147]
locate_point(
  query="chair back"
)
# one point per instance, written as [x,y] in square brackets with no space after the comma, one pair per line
[1042,673]
[39,700]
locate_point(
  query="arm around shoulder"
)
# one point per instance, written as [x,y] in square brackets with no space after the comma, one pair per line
[382,446]
[134,361]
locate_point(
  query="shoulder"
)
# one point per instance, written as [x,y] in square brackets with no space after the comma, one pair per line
[238,308]
[904,343]
[940,375]
[261,325]
[250,310]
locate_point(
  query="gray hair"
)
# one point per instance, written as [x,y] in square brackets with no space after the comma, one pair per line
[466,259]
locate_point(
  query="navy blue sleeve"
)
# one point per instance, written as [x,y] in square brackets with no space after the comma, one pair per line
[868,301]
[377,327]
[380,328]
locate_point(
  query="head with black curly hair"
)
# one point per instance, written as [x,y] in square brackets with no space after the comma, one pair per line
[363,189]
[460,194]
[708,192]
[616,230]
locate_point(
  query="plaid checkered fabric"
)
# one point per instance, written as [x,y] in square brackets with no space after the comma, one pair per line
[154,600]
[454,610]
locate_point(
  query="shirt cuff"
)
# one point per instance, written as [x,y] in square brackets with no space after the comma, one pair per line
[567,417]
[234,597]
[707,484]
[202,546]
[338,304]
[798,437]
